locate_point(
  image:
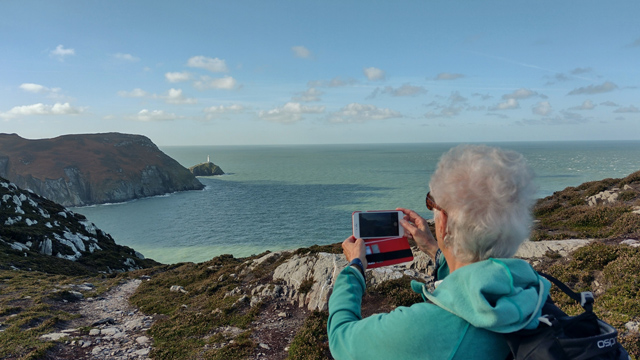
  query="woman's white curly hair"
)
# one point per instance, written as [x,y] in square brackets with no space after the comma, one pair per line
[488,194]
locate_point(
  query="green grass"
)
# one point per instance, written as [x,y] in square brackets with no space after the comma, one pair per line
[311,341]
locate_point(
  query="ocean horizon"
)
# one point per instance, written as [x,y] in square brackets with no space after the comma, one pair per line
[276,197]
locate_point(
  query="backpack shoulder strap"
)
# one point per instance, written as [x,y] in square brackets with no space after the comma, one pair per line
[585,298]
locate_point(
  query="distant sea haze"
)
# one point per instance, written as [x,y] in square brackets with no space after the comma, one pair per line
[285,197]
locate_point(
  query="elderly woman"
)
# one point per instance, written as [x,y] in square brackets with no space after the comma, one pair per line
[481,198]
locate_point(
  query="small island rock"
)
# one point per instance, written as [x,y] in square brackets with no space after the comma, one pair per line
[206,169]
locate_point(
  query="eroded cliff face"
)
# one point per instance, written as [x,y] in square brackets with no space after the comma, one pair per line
[77,170]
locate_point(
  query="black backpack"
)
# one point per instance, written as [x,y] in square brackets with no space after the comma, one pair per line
[560,336]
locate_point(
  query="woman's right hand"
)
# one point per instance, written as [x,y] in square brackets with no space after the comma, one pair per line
[417,228]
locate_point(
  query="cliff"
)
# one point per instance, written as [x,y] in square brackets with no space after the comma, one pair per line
[78,170]
[206,169]
[38,234]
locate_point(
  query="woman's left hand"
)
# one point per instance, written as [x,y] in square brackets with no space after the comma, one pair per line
[354,248]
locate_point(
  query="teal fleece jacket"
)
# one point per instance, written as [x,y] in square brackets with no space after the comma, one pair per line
[464,317]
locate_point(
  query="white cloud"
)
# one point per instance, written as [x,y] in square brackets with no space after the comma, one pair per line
[135,93]
[448,76]
[218,111]
[355,112]
[522,93]
[609,103]
[41,109]
[586,105]
[506,105]
[235,108]
[154,115]
[212,64]
[224,83]
[628,109]
[175,96]
[311,94]
[594,89]
[39,89]
[542,108]
[301,52]
[60,52]
[33,88]
[174,77]
[290,112]
[126,57]
[373,73]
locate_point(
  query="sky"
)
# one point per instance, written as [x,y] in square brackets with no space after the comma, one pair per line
[321,72]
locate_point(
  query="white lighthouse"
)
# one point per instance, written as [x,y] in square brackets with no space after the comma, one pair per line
[208,159]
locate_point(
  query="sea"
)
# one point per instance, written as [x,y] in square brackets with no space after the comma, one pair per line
[290,196]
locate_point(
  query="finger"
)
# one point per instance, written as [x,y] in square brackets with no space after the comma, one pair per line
[409,227]
[348,240]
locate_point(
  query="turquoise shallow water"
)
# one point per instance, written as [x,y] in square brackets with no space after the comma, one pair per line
[281,197]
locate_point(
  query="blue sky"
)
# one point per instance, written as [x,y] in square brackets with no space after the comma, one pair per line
[315,72]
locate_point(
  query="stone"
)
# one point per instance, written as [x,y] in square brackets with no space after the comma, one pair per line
[76,295]
[265,346]
[631,242]
[104,322]
[178,288]
[321,268]
[109,331]
[134,324]
[94,332]
[53,336]
[142,340]
[632,326]
[531,249]
[604,197]
[142,352]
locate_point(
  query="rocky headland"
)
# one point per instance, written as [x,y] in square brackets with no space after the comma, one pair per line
[37,234]
[274,305]
[78,170]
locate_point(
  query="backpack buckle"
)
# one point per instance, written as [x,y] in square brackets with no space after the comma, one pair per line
[586,297]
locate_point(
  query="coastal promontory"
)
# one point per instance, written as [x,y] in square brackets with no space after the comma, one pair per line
[86,169]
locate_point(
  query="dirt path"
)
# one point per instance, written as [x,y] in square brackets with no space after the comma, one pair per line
[118,330]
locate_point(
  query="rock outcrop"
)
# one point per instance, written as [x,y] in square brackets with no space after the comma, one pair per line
[307,279]
[206,169]
[38,234]
[78,170]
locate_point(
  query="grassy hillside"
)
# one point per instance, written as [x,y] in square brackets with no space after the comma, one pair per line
[567,215]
